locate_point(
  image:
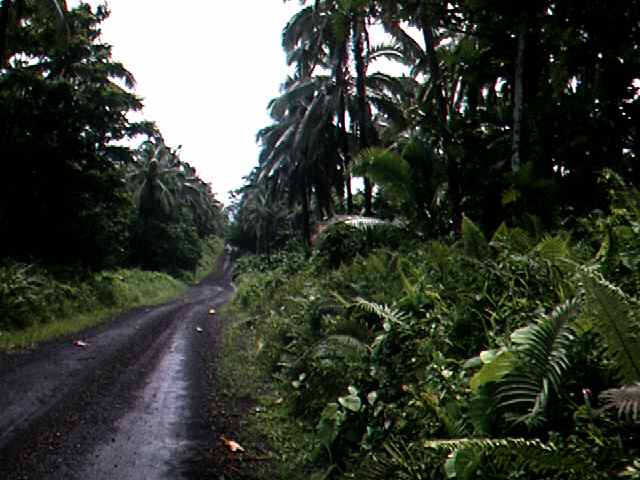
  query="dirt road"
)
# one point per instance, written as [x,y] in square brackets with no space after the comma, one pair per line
[131,404]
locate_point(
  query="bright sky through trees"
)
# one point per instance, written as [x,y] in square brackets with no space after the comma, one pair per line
[206,71]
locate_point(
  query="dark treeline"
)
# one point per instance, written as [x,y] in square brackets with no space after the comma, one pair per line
[72,192]
[506,109]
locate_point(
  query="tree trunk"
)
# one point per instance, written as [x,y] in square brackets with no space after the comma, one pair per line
[341,84]
[359,33]
[453,170]
[306,217]
[346,154]
[4,32]
[518,102]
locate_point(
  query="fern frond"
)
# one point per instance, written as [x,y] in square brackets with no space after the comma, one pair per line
[489,444]
[542,360]
[397,462]
[508,454]
[613,314]
[504,452]
[341,345]
[626,399]
[475,243]
[364,223]
[384,312]
[555,249]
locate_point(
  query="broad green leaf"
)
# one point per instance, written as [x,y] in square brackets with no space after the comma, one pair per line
[494,371]
[488,356]
[450,465]
[351,402]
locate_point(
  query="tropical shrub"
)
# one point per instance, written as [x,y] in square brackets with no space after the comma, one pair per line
[485,358]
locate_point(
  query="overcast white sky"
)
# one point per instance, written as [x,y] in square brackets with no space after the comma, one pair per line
[206,71]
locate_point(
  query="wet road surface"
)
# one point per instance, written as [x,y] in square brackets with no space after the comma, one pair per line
[129,406]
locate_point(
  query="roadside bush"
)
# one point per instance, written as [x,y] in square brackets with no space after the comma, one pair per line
[341,243]
[402,379]
[285,262]
[29,295]
[212,248]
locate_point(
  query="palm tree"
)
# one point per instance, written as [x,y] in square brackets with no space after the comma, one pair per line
[153,178]
[298,150]
[335,24]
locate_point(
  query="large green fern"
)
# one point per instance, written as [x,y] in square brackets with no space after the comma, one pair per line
[474,241]
[508,454]
[542,351]
[614,316]
[399,461]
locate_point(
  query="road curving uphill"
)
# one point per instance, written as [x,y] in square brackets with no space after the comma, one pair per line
[127,400]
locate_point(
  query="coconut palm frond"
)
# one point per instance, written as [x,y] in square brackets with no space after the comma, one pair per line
[387,51]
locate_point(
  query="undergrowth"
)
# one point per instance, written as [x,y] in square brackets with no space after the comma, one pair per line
[37,304]
[506,356]
[48,308]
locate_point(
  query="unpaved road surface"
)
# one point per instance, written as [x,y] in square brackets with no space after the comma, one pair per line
[132,404]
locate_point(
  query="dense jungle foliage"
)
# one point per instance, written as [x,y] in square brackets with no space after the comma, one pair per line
[509,357]
[77,197]
[488,328]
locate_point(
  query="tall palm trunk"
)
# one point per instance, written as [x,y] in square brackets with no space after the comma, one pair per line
[518,104]
[306,215]
[344,140]
[453,170]
[341,85]
[359,35]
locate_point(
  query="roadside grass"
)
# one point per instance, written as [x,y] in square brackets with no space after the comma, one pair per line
[212,248]
[37,305]
[268,430]
[90,303]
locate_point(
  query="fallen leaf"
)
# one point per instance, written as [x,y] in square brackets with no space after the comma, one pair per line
[231,444]
[80,343]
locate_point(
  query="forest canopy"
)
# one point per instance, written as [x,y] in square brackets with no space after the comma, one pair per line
[75,190]
[507,109]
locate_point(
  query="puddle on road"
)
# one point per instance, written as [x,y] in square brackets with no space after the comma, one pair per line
[151,439]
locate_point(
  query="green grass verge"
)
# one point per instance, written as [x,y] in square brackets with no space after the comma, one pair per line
[267,427]
[93,302]
[212,249]
[36,305]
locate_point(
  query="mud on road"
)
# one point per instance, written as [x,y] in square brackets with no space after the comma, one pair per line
[131,404]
